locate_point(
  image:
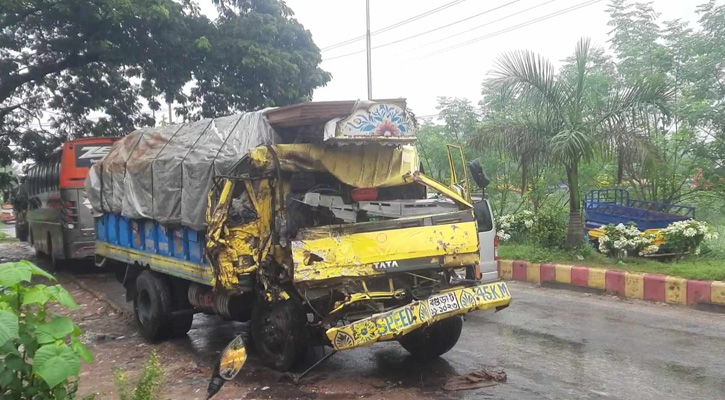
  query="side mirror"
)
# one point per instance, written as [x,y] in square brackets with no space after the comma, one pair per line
[478,174]
[230,363]
[482,213]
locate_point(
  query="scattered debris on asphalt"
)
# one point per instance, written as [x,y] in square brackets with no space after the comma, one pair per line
[476,379]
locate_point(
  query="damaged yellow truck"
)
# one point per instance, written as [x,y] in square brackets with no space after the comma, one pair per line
[313,221]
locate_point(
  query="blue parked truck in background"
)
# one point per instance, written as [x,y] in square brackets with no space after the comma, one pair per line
[614,206]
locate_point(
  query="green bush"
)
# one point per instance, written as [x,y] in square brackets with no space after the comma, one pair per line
[40,353]
[688,236]
[549,229]
[623,239]
[148,386]
[515,227]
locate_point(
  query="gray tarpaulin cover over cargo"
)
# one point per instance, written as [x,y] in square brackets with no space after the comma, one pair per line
[165,173]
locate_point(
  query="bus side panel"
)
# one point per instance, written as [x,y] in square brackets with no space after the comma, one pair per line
[44,222]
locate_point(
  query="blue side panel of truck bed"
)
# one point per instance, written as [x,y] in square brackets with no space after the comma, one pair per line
[613,206]
[148,242]
[151,237]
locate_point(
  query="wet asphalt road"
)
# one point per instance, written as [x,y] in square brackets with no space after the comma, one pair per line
[553,344]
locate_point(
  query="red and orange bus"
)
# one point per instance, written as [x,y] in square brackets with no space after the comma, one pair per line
[59,224]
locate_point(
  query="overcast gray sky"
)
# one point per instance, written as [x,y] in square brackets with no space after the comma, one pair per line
[438,63]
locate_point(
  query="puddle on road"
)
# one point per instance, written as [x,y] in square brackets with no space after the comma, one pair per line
[547,341]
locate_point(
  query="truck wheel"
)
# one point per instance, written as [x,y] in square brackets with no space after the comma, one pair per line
[38,253]
[54,262]
[21,232]
[279,333]
[152,306]
[435,340]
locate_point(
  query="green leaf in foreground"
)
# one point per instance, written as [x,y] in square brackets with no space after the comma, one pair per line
[8,326]
[14,272]
[81,350]
[38,294]
[53,330]
[56,363]
[35,270]
[63,297]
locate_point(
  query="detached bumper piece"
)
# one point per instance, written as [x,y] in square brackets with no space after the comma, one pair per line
[397,322]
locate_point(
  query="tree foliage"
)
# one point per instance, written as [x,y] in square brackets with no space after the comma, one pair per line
[102,67]
[557,122]
[644,113]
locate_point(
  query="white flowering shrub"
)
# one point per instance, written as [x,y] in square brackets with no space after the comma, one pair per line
[516,225]
[687,236]
[626,239]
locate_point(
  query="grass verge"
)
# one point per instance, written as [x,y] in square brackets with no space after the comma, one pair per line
[708,266]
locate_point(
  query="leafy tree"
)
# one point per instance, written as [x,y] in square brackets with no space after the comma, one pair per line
[460,119]
[259,56]
[556,118]
[72,68]
[432,150]
[660,149]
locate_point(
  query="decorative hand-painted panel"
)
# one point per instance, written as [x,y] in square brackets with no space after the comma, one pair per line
[378,121]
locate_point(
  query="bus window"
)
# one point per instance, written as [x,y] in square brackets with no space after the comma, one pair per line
[44,177]
[56,175]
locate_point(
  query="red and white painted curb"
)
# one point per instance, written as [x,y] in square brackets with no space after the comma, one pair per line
[652,287]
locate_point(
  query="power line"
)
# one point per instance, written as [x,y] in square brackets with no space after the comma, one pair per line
[395,25]
[488,23]
[426,32]
[511,28]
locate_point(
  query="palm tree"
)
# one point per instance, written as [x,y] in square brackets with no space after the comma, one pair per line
[561,119]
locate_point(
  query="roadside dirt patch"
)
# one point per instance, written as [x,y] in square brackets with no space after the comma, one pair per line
[187,362]
[115,344]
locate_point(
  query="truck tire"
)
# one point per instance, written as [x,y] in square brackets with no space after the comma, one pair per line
[435,340]
[21,232]
[279,333]
[152,306]
[31,239]
[54,264]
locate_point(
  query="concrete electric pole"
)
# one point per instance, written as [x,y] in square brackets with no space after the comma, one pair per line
[370,65]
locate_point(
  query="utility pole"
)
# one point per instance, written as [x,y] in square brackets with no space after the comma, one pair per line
[170,117]
[370,65]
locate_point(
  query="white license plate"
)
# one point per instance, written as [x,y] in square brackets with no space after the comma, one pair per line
[443,303]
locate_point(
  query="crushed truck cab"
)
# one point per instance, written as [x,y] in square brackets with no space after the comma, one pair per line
[323,231]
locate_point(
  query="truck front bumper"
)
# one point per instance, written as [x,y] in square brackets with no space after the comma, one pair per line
[400,321]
